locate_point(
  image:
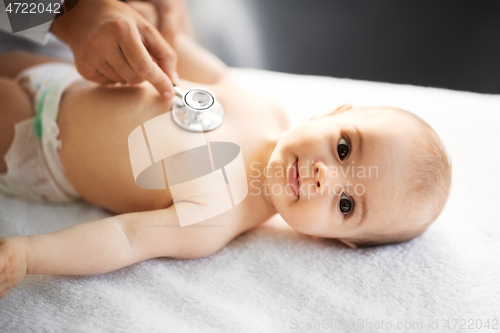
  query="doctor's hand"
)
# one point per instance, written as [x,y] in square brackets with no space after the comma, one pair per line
[112,43]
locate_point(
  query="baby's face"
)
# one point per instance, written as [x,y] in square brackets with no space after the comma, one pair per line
[350,167]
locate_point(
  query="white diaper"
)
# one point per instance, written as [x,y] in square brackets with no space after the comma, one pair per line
[35,171]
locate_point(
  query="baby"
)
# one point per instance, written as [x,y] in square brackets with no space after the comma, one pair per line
[364,176]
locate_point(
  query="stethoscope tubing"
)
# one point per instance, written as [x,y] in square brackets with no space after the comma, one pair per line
[178,92]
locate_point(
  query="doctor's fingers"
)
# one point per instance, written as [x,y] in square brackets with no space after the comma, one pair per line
[143,65]
[160,50]
[107,70]
[88,66]
[106,65]
[121,66]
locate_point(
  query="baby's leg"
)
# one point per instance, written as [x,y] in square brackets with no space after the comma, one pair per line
[16,103]
[15,107]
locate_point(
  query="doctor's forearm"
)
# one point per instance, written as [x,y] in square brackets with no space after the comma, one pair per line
[88,248]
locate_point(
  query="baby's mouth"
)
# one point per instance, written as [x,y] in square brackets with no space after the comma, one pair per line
[298,177]
[293,178]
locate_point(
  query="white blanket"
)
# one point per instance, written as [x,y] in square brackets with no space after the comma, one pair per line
[275,279]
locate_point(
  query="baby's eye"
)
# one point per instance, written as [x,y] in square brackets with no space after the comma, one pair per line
[343,149]
[345,204]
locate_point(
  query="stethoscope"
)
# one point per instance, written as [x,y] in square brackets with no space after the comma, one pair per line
[197,110]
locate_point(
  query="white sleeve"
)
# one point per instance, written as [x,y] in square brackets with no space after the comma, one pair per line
[38,34]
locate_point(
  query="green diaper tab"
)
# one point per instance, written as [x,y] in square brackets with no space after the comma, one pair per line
[38,117]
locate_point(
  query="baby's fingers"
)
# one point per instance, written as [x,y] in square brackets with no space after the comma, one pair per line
[13,266]
[7,282]
[4,290]
[2,263]
[4,285]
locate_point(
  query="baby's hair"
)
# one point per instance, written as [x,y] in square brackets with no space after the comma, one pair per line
[427,188]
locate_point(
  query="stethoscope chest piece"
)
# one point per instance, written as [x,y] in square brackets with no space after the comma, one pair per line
[197,110]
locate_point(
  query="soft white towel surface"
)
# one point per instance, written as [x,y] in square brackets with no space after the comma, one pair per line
[273,279]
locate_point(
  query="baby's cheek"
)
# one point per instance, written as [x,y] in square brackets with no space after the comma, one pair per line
[309,218]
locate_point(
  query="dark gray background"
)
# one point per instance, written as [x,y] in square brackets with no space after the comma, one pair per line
[440,43]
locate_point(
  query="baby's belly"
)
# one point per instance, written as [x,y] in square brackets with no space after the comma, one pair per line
[95,123]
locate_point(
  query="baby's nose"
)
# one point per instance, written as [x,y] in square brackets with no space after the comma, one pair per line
[326,178]
[320,173]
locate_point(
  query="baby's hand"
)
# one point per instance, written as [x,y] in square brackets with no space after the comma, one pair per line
[13,263]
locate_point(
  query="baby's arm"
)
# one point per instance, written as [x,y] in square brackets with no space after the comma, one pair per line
[197,64]
[106,245]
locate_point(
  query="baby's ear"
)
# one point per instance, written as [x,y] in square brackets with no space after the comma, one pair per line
[342,108]
[338,110]
[346,242]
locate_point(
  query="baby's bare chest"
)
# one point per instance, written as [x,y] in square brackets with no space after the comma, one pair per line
[96,125]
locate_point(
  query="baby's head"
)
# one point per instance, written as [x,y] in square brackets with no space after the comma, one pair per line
[367,176]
